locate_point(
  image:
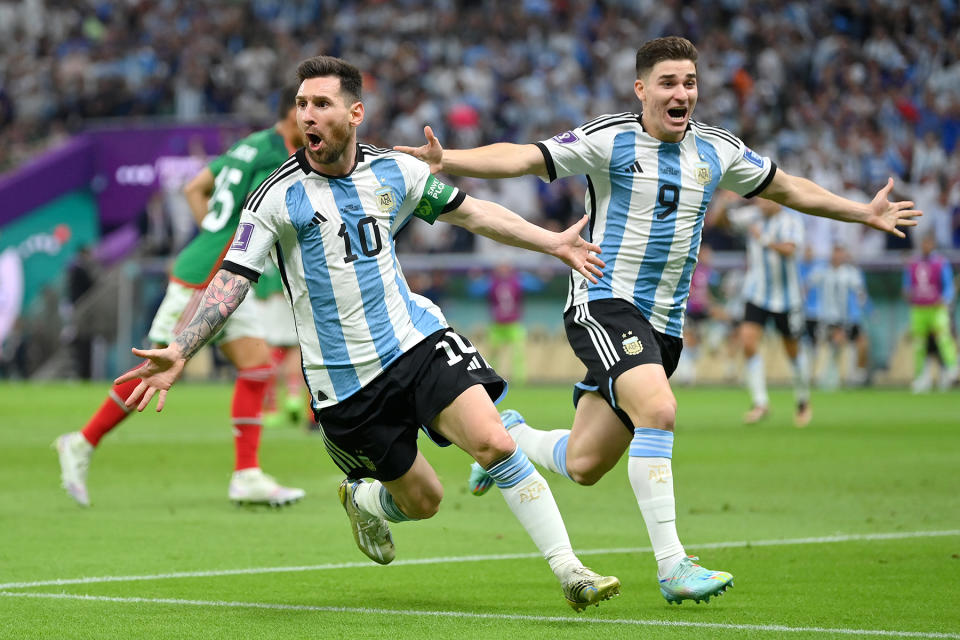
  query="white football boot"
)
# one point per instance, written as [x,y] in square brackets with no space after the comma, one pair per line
[253,486]
[75,453]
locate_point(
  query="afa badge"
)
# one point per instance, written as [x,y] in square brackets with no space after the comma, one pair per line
[703,173]
[386,203]
[631,344]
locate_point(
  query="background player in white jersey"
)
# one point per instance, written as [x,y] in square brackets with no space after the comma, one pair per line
[809,269]
[772,292]
[650,178]
[380,361]
[843,299]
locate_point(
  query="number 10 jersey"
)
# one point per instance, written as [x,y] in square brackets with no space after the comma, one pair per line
[332,240]
[647,199]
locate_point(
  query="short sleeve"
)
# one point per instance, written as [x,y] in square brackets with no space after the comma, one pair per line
[748,173]
[255,237]
[572,153]
[430,196]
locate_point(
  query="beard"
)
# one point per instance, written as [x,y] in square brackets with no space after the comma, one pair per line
[333,148]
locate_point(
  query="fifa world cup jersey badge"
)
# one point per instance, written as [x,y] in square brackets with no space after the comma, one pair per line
[385,200]
[703,173]
[631,344]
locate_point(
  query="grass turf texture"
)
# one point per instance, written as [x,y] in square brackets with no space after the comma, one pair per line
[872,462]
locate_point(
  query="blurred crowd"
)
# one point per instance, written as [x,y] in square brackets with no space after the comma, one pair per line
[846,92]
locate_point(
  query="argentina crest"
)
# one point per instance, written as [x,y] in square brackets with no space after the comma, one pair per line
[702,173]
[386,202]
[631,344]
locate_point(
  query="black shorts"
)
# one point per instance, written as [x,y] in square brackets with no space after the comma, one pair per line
[612,336]
[811,330]
[788,323]
[373,433]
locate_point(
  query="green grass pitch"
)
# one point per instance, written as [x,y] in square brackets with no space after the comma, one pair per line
[850,527]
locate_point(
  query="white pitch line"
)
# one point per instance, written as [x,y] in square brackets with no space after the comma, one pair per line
[476,558]
[490,616]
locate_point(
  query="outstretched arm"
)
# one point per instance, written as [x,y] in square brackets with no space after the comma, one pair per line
[500,160]
[163,366]
[807,196]
[498,223]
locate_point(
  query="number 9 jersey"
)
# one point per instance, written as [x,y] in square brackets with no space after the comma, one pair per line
[236,173]
[647,199]
[332,239]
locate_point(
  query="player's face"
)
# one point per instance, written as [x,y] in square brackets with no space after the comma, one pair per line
[668,93]
[326,119]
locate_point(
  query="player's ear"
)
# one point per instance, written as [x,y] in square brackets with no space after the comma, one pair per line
[638,89]
[356,114]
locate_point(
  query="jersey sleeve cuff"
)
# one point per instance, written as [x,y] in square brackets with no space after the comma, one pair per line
[548,160]
[455,203]
[766,181]
[241,270]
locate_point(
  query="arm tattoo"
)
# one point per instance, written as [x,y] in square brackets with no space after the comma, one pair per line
[222,297]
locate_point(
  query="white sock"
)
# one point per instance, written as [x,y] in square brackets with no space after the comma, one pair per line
[529,497]
[757,381]
[546,448]
[373,498]
[801,376]
[651,476]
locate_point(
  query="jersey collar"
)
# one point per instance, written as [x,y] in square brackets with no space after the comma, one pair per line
[301,155]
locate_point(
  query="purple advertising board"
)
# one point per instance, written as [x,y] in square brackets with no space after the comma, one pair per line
[132,164]
[123,167]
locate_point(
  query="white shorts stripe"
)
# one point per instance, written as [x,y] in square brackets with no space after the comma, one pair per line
[598,336]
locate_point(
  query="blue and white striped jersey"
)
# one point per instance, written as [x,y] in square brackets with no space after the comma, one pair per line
[332,238]
[810,279]
[646,199]
[773,281]
[844,294]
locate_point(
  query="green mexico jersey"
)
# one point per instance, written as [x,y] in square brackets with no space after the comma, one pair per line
[236,173]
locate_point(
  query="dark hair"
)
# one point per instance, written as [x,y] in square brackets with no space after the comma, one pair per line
[660,49]
[286,101]
[351,83]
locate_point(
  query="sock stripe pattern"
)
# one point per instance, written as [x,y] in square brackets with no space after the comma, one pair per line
[651,443]
[510,472]
[560,456]
[390,507]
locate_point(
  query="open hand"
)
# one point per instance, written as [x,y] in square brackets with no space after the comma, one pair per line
[431,153]
[157,374]
[887,216]
[579,254]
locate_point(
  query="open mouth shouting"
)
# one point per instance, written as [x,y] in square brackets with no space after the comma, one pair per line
[313,141]
[677,115]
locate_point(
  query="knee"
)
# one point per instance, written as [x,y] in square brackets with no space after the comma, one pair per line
[423,504]
[496,444]
[662,414]
[585,472]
